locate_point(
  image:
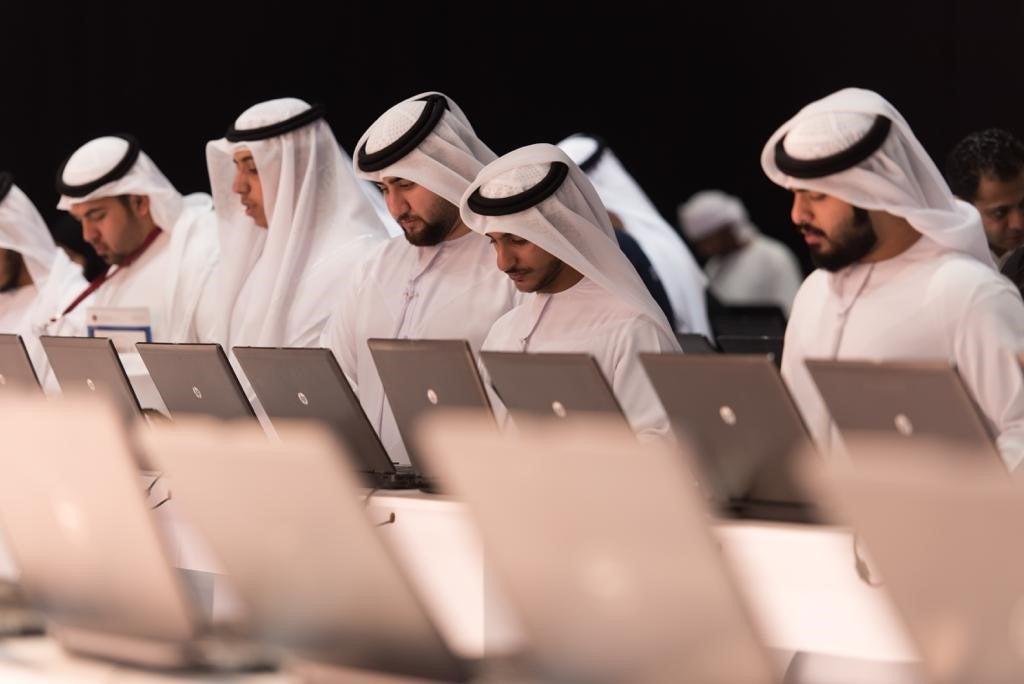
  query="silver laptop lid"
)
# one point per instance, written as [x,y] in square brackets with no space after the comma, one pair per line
[76,520]
[287,522]
[195,378]
[90,365]
[550,385]
[739,419]
[16,371]
[424,376]
[308,384]
[940,531]
[609,587]
[912,400]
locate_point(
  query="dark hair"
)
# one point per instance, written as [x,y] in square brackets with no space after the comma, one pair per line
[992,152]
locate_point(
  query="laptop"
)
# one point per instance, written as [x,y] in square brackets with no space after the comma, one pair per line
[608,588]
[91,555]
[747,319]
[912,400]
[308,383]
[90,365]
[424,376]
[550,385]
[16,371]
[286,521]
[753,344]
[195,378]
[940,532]
[695,343]
[742,425]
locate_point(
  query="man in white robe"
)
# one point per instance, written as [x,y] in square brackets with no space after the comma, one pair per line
[37,279]
[743,265]
[678,271]
[904,270]
[161,247]
[438,280]
[553,238]
[293,222]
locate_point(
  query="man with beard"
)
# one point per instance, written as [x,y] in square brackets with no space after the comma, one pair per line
[436,281]
[553,238]
[904,269]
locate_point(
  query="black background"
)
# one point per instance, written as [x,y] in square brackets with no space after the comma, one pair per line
[685,93]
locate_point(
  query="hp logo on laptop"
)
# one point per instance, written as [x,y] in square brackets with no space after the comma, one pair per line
[303,399]
[197,392]
[903,425]
[727,415]
[558,408]
[432,396]
[90,384]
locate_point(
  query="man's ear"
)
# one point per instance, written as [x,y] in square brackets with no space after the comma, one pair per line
[140,204]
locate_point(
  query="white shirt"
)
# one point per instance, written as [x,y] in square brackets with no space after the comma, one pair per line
[762,271]
[15,306]
[587,319]
[928,303]
[449,291]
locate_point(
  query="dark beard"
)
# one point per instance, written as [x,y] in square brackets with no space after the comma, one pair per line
[15,266]
[432,234]
[853,247]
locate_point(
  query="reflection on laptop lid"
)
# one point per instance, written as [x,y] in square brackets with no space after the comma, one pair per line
[941,528]
[287,522]
[16,371]
[88,365]
[608,587]
[423,376]
[738,416]
[912,400]
[195,378]
[550,385]
[304,383]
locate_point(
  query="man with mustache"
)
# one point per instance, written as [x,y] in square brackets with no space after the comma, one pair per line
[987,169]
[161,246]
[553,238]
[904,269]
[437,280]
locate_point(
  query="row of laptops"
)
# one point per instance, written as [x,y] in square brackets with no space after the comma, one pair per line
[742,422]
[611,598]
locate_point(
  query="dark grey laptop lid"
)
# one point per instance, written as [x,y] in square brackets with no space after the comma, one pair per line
[195,378]
[550,385]
[741,421]
[90,364]
[16,371]
[912,399]
[695,343]
[421,376]
[305,383]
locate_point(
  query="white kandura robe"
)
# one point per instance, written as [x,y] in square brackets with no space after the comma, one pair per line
[763,271]
[449,291]
[929,303]
[15,307]
[587,319]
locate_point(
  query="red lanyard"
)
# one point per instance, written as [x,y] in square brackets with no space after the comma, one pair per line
[107,275]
